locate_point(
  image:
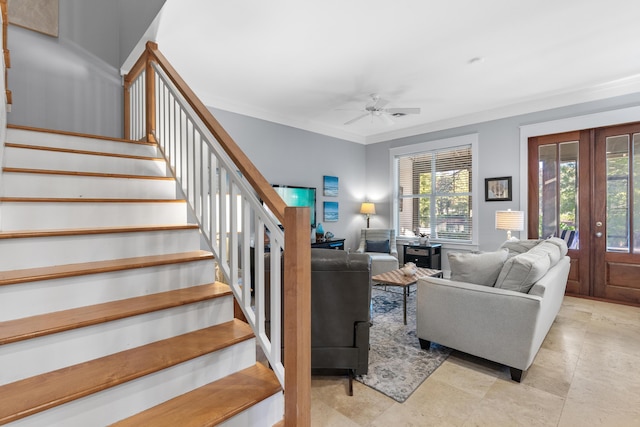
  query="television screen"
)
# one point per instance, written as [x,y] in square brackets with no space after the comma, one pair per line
[299,196]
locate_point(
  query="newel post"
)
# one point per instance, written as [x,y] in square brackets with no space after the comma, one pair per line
[297,318]
[150,93]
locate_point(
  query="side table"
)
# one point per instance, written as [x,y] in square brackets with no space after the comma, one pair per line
[426,256]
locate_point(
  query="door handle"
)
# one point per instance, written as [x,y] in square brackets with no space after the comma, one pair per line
[598,234]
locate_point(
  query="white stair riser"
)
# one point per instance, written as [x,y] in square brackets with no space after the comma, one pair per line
[74,162]
[33,298]
[34,252]
[64,215]
[43,139]
[120,402]
[268,412]
[56,351]
[71,186]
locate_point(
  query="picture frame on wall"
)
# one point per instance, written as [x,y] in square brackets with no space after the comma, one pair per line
[330,186]
[331,213]
[498,189]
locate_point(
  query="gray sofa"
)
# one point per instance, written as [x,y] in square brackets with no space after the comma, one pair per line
[505,321]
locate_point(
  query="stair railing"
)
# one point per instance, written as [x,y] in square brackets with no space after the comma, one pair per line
[239,214]
[5,50]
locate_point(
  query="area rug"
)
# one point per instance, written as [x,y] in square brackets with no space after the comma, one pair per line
[397,364]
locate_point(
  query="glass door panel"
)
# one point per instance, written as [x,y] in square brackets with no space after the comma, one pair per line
[558,190]
[548,190]
[617,210]
[636,193]
[569,191]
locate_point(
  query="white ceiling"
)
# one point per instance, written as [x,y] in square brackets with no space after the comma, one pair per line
[313,64]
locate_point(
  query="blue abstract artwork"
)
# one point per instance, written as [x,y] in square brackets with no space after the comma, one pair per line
[331,211]
[330,186]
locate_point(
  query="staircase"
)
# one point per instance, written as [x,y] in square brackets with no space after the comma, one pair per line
[109,309]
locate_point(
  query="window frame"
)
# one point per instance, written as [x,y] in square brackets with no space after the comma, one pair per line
[428,147]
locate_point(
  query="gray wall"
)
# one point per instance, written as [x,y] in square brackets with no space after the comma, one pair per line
[72,82]
[291,156]
[499,152]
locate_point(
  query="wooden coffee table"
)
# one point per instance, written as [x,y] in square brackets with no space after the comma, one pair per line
[398,278]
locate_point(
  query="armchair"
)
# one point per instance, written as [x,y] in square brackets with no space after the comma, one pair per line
[380,245]
[340,311]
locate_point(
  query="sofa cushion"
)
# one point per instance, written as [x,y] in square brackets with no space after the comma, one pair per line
[381,263]
[517,247]
[377,246]
[550,249]
[522,271]
[479,268]
[561,244]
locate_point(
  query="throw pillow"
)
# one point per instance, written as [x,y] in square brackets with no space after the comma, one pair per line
[479,268]
[377,246]
[549,248]
[522,271]
[562,245]
[519,246]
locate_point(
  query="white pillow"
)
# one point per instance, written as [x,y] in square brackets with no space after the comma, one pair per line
[479,268]
[549,248]
[521,272]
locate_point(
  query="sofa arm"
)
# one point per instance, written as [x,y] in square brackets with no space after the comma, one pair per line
[495,324]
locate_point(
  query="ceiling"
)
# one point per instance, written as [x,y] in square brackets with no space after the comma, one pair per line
[313,64]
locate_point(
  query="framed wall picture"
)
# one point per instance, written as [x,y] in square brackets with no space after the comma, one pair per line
[498,189]
[36,15]
[331,211]
[330,186]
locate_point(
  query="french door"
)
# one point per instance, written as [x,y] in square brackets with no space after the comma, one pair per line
[616,231]
[585,186]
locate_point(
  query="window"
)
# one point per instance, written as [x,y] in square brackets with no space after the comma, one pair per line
[434,192]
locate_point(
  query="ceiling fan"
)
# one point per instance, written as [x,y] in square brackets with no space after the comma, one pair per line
[375,108]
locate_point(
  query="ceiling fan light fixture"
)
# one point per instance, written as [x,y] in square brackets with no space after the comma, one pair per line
[376,107]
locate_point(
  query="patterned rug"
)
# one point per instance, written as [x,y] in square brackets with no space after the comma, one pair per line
[397,364]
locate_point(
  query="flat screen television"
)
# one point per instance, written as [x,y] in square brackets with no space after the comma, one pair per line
[299,197]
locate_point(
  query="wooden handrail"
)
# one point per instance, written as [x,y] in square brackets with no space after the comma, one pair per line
[5,50]
[265,191]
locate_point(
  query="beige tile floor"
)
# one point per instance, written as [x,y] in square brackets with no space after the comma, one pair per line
[587,373]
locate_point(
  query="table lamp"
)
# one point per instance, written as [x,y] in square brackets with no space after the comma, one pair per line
[368,209]
[510,220]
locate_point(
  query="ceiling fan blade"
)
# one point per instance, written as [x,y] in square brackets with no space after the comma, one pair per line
[402,110]
[362,116]
[386,119]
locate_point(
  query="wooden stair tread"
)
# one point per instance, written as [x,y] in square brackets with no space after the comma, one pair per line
[91,174]
[69,270]
[50,323]
[81,135]
[31,395]
[96,230]
[211,404]
[83,200]
[85,152]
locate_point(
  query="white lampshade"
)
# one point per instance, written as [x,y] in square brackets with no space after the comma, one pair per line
[368,208]
[510,220]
